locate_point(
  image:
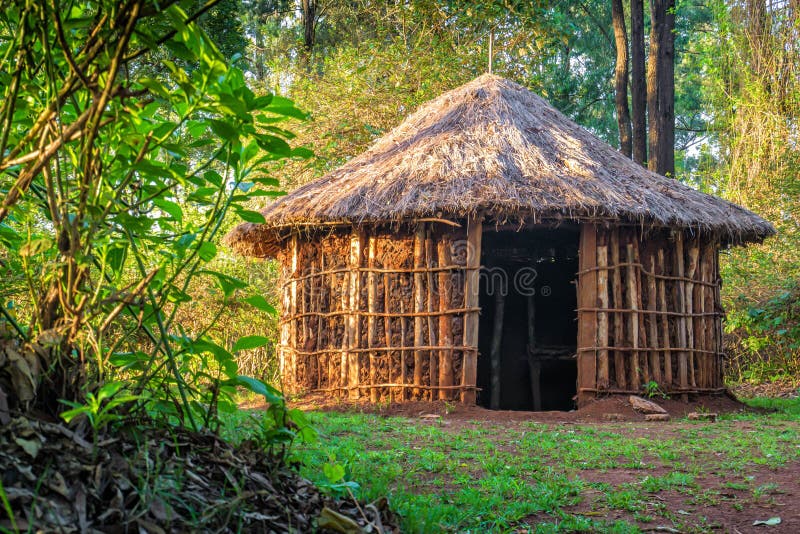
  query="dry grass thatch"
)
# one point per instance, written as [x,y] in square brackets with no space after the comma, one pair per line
[491,145]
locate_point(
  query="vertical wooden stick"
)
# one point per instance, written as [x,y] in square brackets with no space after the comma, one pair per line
[433,356]
[372,319]
[419,307]
[587,320]
[286,310]
[664,320]
[701,357]
[445,320]
[293,355]
[719,373]
[709,252]
[471,318]
[602,317]
[639,274]
[616,289]
[387,327]
[353,322]
[497,343]
[633,318]
[652,320]
[680,307]
[691,270]
[319,285]
[403,371]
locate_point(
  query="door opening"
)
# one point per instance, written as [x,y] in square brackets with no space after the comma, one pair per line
[528,326]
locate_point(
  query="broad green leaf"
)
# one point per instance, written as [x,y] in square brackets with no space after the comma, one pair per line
[250,342]
[172,208]
[288,111]
[259,302]
[259,387]
[251,216]
[224,130]
[227,283]
[274,145]
[207,251]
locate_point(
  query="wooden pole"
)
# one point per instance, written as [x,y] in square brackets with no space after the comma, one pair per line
[283,348]
[387,327]
[633,318]
[471,300]
[318,289]
[433,356]
[701,358]
[718,319]
[534,364]
[302,305]
[602,317]
[709,252]
[587,320]
[691,270]
[419,307]
[497,343]
[662,306]
[680,307]
[403,371]
[445,320]
[639,274]
[372,320]
[652,320]
[616,289]
[353,322]
[292,364]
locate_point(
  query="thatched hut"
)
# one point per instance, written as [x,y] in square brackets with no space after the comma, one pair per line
[442,263]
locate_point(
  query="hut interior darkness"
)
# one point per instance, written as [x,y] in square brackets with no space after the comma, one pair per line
[491,250]
[528,359]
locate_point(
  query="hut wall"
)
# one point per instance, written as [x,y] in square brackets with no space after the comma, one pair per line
[649,312]
[376,314]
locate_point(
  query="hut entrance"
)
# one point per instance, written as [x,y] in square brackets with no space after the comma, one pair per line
[528,325]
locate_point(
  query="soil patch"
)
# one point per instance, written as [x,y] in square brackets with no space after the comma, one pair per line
[595,412]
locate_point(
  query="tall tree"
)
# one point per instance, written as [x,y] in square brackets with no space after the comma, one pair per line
[638,83]
[661,87]
[621,77]
[309,19]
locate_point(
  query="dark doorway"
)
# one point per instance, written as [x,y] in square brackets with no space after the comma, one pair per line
[531,274]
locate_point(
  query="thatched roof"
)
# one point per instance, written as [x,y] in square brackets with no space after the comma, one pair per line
[491,145]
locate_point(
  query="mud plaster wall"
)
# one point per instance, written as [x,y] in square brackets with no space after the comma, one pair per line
[364,315]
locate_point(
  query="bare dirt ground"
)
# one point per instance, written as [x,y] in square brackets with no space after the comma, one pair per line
[596,412]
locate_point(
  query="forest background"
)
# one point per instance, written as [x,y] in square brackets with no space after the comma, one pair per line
[360,67]
[112,264]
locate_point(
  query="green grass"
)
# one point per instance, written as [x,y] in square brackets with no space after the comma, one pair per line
[502,477]
[783,408]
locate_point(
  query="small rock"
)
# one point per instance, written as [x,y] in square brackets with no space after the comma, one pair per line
[613,416]
[645,406]
[657,417]
[703,416]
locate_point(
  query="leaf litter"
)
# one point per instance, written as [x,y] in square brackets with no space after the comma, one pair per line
[153,479]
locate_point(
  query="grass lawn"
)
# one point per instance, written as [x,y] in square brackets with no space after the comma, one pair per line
[450,474]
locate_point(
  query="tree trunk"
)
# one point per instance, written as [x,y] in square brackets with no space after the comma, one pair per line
[661,87]
[309,20]
[621,77]
[638,83]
